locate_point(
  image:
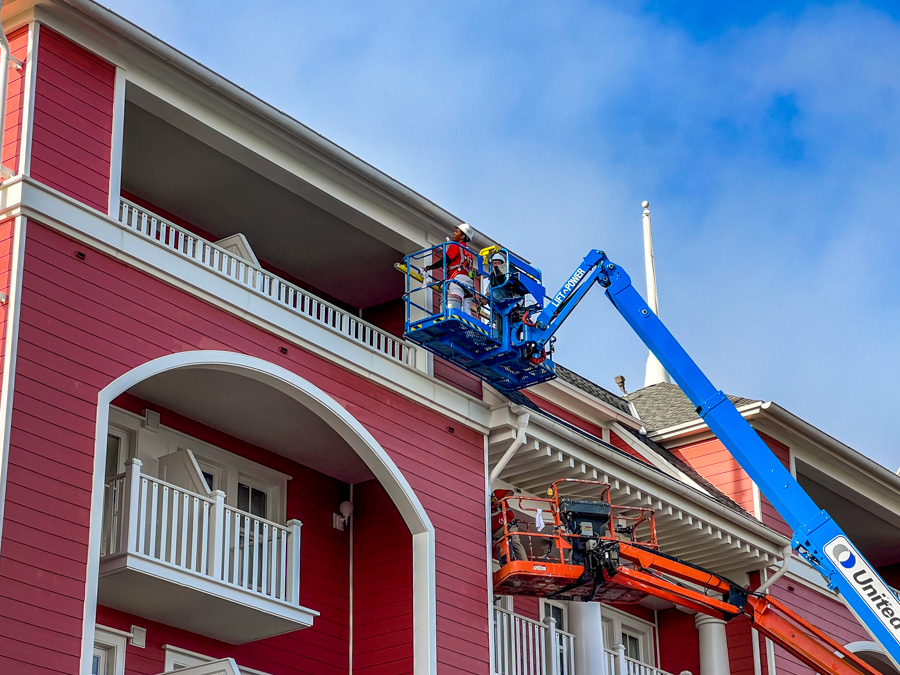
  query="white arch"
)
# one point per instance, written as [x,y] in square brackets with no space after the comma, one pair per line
[871,649]
[341,421]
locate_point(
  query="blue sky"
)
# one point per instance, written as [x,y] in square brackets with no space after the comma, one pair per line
[764,134]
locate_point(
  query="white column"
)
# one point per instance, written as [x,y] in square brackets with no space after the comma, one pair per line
[586,625]
[713,645]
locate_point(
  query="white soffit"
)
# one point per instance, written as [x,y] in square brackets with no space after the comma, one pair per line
[706,534]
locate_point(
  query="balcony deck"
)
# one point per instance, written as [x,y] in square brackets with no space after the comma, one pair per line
[188,245]
[190,561]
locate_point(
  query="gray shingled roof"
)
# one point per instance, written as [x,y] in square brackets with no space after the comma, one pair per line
[594,390]
[664,405]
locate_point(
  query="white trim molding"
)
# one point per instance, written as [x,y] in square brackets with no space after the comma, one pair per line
[28,99]
[8,376]
[115,643]
[344,424]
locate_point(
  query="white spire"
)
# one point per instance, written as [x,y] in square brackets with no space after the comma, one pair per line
[655,373]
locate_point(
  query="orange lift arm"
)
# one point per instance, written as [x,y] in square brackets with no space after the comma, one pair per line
[586,558]
[770,617]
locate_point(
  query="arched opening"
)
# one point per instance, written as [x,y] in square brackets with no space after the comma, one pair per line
[874,655]
[262,406]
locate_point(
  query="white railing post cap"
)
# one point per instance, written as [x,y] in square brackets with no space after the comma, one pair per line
[133,461]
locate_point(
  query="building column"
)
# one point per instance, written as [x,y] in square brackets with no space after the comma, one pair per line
[713,645]
[586,624]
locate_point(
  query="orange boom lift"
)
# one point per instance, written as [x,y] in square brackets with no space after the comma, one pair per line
[596,550]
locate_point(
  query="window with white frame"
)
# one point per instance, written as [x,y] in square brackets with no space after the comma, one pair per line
[118,449]
[558,611]
[248,486]
[635,635]
[179,659]
[109,651]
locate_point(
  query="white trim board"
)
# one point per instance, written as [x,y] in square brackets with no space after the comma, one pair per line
[7,379]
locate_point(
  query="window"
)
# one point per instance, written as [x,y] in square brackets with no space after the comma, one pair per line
[558,611]
[634,634]
[248,486]
[504,602]
[632,645]
[178,659]
[252,500]
[99,664]
[117,445]
[109,651]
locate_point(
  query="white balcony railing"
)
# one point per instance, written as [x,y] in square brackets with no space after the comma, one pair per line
[216,258]
[527,647]
[619,664]
[187,532]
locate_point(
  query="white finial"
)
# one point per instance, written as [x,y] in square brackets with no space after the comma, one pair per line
[654,373]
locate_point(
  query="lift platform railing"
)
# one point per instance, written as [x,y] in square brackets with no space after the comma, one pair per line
[427,290]
[480,340]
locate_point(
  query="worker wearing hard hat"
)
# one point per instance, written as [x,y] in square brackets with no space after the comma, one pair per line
[502,515]
[460,262]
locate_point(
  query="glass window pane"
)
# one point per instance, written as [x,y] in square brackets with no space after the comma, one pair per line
[632,646]
[113,448]
[258,503]
[243,497]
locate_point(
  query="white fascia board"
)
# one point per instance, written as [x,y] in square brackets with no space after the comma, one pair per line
[847,455]
[584,405]
[652,457]
[150,62]
[656,484]
[27,197]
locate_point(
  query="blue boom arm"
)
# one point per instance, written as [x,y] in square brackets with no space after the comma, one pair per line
[816,536]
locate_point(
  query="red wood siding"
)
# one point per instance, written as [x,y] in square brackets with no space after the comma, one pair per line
[679,644]
[87,322]
[527,606]
[447,373]
[73,111]
[712,461]
[391,316]
[382,585]
[770,516]
[830,616]
[740,646]
[617,441]
[324,560]
[15,100]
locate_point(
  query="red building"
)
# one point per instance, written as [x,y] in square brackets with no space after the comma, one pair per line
[217,453]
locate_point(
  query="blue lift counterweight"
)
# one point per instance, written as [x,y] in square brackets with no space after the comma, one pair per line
[509,344]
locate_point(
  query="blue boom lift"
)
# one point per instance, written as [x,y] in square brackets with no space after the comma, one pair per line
[508,342]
